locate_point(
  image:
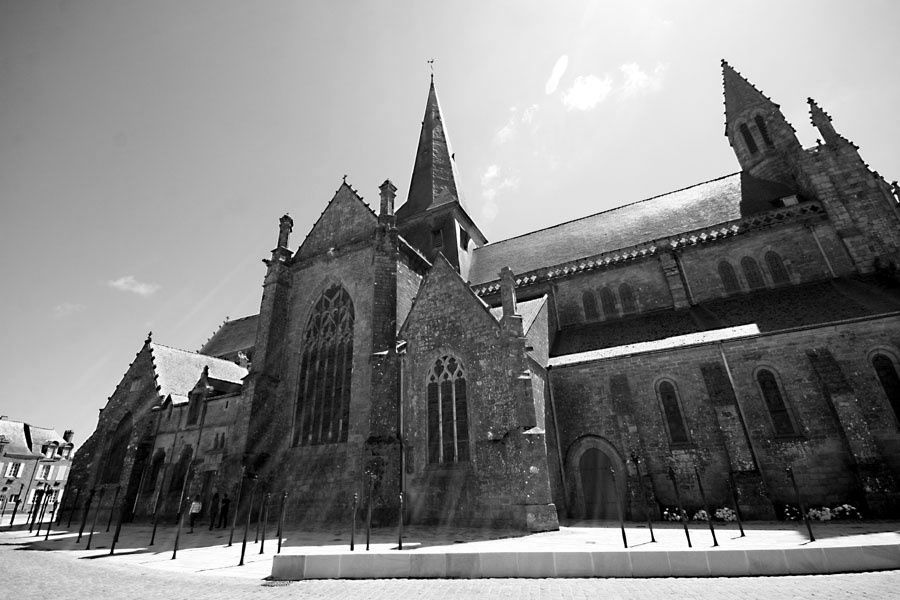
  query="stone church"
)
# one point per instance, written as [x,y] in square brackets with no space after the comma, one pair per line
[716,334]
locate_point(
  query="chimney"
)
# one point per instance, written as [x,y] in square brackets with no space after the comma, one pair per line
[67,435]
[285,226]
[388,193]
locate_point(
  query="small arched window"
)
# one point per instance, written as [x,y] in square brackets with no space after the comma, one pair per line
[448,412]
[781,417]
[763,130]
[748,139]
[590,305]
[890,383]
[728,277]
[668,397]
[776,267]
[607,302]
[626,295]
[752,273]
[322,412]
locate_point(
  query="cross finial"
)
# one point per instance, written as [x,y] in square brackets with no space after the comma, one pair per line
[345,178]
[431,65]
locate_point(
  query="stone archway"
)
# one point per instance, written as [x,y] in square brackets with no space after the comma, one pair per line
[592,485]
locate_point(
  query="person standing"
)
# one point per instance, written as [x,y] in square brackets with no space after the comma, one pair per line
[213,510]
[196,507]
[223,510]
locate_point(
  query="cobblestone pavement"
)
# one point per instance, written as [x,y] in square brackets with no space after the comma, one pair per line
[41,574]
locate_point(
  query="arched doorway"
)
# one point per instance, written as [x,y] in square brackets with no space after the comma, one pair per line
[594,487]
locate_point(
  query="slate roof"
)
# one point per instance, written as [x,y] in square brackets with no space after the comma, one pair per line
[17,435]
[706,204]
[770,310]
[528,309]
[232,336]
[177,371]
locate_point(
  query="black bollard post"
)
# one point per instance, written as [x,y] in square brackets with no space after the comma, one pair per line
[84,515]
[281,519]
[35,509]
[237,507]
[400,531]
[94,522]
[155,519]
[353,526]
[56,508]
[369,512]
[681,512]
[112,508]
[59,506]
[74,507]
[709,517]
[619,505]
[45,501]
[247,524]
[644,499]
[12,519]
[181,511]
[265,512]
[112,547]
[737,505]
[262,494]
[790,472]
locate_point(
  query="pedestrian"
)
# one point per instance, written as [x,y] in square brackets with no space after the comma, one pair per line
[213,510]
[196,507]
[223,510]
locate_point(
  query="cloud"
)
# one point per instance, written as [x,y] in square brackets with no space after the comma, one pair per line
[638,81]
[559,69]
[489,175]
[492,183]
[516,119]
[130,284]
[61,311]
[587,92]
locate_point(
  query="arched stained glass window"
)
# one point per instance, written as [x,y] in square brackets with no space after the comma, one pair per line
[728,277]
[776,267]
[608,303]
[748,139]
[116,451]
[626,295]
[752,273]
[781,418]
[590,305]
[887,375]
[326,365]
[672,411]
[448,412]
[763,130]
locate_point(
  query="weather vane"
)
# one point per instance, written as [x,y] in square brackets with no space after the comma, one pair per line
[431,64]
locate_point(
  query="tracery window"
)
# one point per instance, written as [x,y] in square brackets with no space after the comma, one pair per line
[752,273]
[763,130]
[322,413]
[590,305]
[748,139]
[448,412]
[668,397]
[626,296]
[776,267]
[728,277]
[608,302]
[781,418]
[890,382]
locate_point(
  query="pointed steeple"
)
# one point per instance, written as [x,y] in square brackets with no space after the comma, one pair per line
[822,121]
[741,95]
[434,174]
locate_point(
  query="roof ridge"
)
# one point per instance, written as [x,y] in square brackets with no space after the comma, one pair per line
[193,353]
[521,235]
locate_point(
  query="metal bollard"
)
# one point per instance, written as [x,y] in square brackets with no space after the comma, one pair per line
[644,499]
[681,512]
[284,496]
[400,528]
[45,501]
[369,513]
[262,495]
[74,507]
[619,505]
[737,505]
[353,526]
[265,524]
[247,524]
[112,547]
[790,472]
[181,511]
[52,514]
[237,507]
[709,517]
[84,515]
[112,508]
[94,522]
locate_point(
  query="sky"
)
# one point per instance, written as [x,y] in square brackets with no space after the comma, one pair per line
[147,149]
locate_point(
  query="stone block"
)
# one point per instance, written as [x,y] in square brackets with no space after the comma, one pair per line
[499,564]
[805,561]
[427,566]
[323,566]
[767,562]
[650,564]
[573,564]
[728,563]
[689,563]
[463,566]
[612,564]
[357,565]
[388,566]
[288,567]
[535,564]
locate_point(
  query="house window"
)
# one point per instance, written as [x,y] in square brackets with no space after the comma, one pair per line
[437,238]
[728,277]
[448,412]
[626,295]
[45,472]
[608,303]
[748,139]
[13,469]
[590,305]
[752,273]
[763,130]
[776,267]
[781,418]
[322,413]
[890,383]
[668,397]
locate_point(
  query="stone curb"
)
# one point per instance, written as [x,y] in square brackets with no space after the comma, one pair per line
[642,563]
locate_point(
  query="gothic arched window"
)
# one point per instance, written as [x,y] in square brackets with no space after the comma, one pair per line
[763,130]
[668,397]
[177,483]
[776,267]
[887,375]
[626,295]
[752,273]
[728,277]
[155,467]
[748,139]
[590,305]
[116,451]
[607,302]
[781,417]
[448,412]
[323,400]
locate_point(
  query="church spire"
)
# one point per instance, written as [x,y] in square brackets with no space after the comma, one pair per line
[822,121]
[741,95]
